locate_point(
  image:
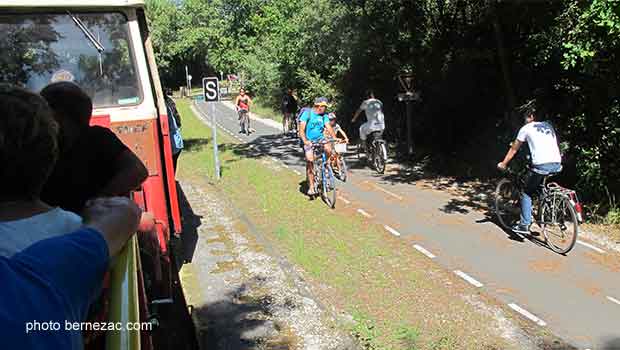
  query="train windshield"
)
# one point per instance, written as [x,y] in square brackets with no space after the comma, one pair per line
[90,49]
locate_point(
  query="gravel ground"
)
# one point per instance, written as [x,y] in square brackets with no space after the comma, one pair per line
[242,296]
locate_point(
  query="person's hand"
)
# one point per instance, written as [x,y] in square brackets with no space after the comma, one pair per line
[346,141]
[307,142]
[502,166]
[116,218]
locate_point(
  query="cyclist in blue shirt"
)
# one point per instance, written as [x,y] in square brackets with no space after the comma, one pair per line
[312,125]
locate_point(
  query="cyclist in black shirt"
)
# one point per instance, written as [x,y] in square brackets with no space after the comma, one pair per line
[289,108]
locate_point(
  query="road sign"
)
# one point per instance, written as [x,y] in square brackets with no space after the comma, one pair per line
[406,81]
[211,92]
[211,89]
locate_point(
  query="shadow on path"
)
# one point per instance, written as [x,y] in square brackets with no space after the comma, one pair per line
[190,222]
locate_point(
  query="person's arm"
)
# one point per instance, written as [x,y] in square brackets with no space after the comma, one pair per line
[346,138]
[359,111]
[356,115]
[302,132]
[72,265]
[237,103]
[129,175]
[514,148]
[116,218]
[303,119]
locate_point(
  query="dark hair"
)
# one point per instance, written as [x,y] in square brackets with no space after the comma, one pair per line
[370,93]
[70,100]
[28,143]
[529,108]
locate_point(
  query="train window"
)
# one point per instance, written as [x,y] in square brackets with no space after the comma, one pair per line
[91,49]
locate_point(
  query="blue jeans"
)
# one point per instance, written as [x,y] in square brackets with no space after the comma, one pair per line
[532,185]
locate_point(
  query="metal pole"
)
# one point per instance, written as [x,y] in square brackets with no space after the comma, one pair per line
[187,81]
[214,132]
[409,128]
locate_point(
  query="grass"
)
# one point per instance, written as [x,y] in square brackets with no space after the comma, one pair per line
[399,299]
[265,111]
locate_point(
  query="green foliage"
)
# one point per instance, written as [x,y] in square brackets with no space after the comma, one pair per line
[473,62]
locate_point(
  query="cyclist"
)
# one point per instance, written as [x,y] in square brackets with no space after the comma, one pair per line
[546,159]
[337,128]
[312,126]
[242,105]
[337,131]
[289,108]
[375,120]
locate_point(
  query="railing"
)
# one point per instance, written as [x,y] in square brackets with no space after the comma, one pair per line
[124,309]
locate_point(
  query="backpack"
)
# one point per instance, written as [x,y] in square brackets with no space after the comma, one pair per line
[301,112]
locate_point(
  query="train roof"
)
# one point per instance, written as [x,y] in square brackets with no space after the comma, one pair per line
[72,3]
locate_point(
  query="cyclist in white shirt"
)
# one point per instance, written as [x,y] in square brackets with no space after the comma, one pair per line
[375,120]
[546,159]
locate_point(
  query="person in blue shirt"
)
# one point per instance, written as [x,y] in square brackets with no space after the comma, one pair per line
[174,124]
[51,284]
[312,125]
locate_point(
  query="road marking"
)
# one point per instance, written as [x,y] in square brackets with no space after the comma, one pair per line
[363,212]
[527,314]
[400,198]
[424,251]
[273,159]
[613,300]
[284,165]
[391,230]
[296,171]
[585,244]
[346,201]
[468,278]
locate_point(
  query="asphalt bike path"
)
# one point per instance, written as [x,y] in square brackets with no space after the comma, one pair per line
[577,297]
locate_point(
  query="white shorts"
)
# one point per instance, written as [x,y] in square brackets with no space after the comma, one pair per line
[367,128]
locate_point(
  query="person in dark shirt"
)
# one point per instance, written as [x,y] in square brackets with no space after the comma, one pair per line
[93,162]
[289,108]
[50,282]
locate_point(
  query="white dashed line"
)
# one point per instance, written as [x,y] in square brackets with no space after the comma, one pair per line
[346,201]
[296,172]
[585,244]
[468,278]
[424,251]
[613,300]
[400,198]
[284,165]
[527,314]
[391,230]
[363,212]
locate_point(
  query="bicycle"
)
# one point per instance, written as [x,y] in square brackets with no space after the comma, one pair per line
[324,181]
[376,151]
[338,161]
[557,210]
[244,121]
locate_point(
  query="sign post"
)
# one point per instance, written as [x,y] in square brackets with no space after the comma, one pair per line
[211,93]
[409,96]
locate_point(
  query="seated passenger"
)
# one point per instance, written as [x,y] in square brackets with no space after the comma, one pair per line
[28,151]
[49,282]
[92,162]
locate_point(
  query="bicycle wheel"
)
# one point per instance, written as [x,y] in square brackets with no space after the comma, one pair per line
[342,166]
[246,123]
[507,203]
[378,157]
[329,186]
[559,223]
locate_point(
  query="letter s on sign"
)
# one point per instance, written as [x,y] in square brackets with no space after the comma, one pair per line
[211,89]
